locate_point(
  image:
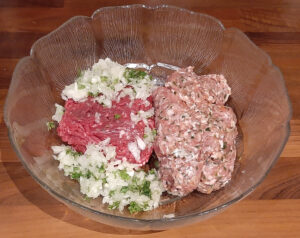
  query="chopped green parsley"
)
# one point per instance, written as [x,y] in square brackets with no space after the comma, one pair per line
[224,145]
[134,208]
[81,86]
[115,205]
[73,153]
[124,175]
[154,132]
[50,125]
[134,74]
[117,116]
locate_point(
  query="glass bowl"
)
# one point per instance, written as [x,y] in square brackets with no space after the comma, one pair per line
[158,38]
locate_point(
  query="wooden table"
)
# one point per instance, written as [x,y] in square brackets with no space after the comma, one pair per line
[273,210]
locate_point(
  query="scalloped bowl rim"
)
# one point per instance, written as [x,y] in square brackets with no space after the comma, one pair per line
[177,218]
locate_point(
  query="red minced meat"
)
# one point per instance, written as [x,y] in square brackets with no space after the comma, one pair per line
[90,122]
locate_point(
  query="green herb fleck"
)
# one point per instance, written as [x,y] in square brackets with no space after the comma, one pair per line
[93,94]
[116,81]
[81,86]
[124,175]
[145,136]
[87,198]
[101,169]
[117,116]
[89,174]
[146,205]
[73,153]
[76,175]
[152,171]
[134,179]
[224,145]
[154,132]
[207,129]
[134,74]
[115,205]
[104,180]
[50,125]
[134,208]
[134,91]
[111,193]
[124,189]
[79,73]
[104,79]
[134,188]
[145,190]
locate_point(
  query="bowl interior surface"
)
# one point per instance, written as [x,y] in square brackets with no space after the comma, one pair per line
[159,36]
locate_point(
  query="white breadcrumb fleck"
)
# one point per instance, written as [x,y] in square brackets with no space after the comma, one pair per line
[141,144]
[134,150]
[59,112]
[122,132]
[97,117]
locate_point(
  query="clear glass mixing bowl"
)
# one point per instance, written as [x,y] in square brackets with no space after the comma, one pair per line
[157,36]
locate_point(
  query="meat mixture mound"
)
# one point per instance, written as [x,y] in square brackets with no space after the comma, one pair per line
[196,133]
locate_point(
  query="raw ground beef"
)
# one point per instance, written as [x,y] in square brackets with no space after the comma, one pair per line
[195,140]
[90,122]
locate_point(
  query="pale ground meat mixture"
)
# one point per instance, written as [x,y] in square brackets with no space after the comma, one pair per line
[194,89]
[196,133]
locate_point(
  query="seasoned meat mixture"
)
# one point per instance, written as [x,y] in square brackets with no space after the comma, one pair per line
[196,133]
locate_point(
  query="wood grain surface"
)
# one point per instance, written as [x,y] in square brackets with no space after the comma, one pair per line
[272,210]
